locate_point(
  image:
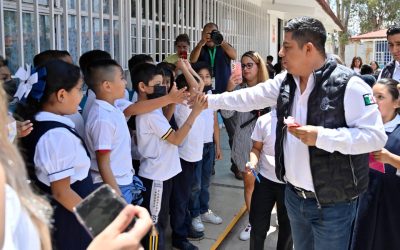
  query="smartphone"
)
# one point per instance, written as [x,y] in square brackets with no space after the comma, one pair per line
[237,69]
[99,209]
[184,54]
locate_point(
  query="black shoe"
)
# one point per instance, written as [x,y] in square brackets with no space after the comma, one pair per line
[194,235]
[236,172]
[184,245]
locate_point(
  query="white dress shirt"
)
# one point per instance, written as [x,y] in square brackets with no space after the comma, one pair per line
[365,132]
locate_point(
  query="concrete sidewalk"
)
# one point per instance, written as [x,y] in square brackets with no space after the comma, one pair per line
[226,200]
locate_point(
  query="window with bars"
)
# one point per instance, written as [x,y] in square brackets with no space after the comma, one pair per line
[382,54]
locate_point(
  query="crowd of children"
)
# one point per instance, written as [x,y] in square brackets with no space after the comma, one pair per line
[83,129]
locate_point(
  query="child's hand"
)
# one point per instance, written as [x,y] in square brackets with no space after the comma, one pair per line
[178,95]
[233,81]
[200,103]
[24,128]
[218,153]
[180,64]
[187,64]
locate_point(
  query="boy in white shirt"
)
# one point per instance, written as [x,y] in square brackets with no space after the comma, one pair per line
[190,152]
[198,205]
[107,134]
[157,145]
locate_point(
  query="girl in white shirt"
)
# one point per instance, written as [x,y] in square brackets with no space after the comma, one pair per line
[57,159]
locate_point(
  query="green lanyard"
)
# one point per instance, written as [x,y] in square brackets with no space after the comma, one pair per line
[212,57]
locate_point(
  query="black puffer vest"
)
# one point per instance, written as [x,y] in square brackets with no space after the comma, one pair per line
[388,70]
[336,177]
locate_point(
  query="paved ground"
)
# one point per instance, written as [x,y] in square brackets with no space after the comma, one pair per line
[226,200]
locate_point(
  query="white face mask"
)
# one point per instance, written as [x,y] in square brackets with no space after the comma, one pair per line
[12,130]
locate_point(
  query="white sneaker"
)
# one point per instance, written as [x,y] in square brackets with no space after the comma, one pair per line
[245,234]
[210,217]
[197,224]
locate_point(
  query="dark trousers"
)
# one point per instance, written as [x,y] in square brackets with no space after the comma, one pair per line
[230,125]
[163,215]
[179,204]
[265,194]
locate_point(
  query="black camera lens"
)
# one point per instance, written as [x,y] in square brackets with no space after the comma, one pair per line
[216,37]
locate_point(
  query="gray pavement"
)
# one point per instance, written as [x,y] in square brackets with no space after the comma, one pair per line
[226,200]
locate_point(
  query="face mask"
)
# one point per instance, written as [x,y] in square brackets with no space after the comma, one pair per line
[207,88]
[12,130]
[159,91]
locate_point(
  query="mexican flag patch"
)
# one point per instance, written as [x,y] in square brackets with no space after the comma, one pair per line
[369,99]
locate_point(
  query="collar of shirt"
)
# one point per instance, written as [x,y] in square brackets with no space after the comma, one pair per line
[48,116]
[391,125]
[105,105]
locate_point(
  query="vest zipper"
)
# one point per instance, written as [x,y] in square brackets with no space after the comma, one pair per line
[352,171]
[280,154]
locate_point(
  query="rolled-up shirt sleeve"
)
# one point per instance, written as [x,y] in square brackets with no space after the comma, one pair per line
[365,132]
[260,96]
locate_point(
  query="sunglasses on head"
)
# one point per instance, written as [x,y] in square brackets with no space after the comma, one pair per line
[247,65]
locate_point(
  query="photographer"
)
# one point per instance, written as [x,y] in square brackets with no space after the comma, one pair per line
[217,53]
[214,50]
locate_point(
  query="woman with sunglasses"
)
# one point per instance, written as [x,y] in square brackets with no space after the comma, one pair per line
[254,71]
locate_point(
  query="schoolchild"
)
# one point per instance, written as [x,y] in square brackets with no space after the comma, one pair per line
[190,152]
[268,190]
[107,134]
[200,195]
[158,147]
[57,159]
[63,55]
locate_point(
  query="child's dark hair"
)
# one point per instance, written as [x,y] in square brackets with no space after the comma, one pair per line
[181,82]
[138,59]
[391,85]
[167,69]
[99,71]
[200,65]
[93,55]
[59,75]
[43,57]
[366,70]
[144,72]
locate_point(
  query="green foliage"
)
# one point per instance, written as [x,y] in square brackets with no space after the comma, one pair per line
[377,14]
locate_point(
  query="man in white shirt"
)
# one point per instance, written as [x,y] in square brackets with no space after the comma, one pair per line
[392,69]
[324,160]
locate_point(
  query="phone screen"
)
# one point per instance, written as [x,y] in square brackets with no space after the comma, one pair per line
[99,209]
[184,54]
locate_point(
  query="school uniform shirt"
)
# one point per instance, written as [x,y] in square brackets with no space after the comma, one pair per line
[106,129]
[91,98]
[59,154]
[389,127]
[123,104]
[365,131]
[77,119]
[191,148]
[159,158]
[264,131]
[19,230]
[208,117]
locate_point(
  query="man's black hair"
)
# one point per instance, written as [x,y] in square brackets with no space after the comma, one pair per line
[144,72]
[307,30]
[393,30]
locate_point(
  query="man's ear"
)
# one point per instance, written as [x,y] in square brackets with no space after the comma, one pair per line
[309,47]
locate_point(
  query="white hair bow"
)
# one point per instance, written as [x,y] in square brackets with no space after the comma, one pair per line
[27,81]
